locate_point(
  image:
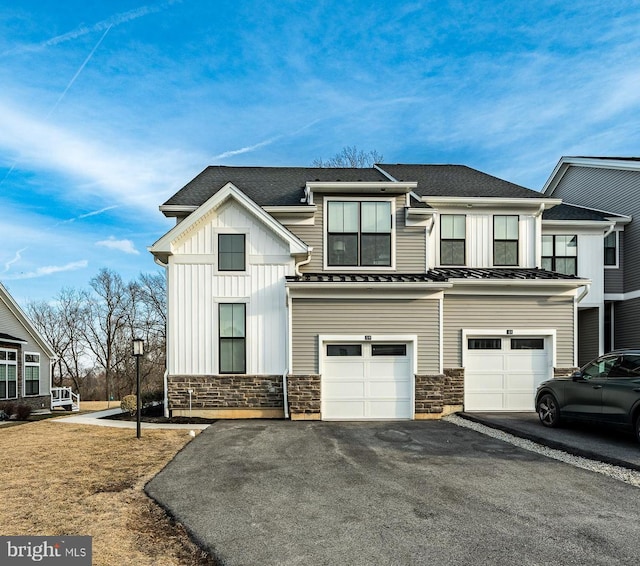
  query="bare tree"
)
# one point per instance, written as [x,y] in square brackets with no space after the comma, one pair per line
[350,156]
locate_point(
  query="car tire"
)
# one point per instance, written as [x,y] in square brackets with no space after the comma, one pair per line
[548,411]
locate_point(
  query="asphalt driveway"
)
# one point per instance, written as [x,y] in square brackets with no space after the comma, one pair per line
[292,493]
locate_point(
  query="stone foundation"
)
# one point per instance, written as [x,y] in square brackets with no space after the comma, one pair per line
[439,395]
[303,392]
[226,396]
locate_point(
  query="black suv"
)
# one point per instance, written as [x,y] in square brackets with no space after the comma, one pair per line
[605,390]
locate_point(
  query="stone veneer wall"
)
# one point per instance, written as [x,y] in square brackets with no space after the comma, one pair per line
[434,393]
[225,391]
[303,392]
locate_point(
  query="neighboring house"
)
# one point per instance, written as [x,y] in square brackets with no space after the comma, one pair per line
[25,358]
[399,291]
[608,318]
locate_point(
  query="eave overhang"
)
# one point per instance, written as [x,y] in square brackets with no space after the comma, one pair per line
[490,202]
[173,210]
[362,187]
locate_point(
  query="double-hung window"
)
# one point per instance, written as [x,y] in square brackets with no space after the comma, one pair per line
[611,249]
[233,342]
[560,254]
[453,233]
[32,374]
[8,374]
[231,252]
[359,233]
[505,240]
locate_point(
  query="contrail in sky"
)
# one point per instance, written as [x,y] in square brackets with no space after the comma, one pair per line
[84,64]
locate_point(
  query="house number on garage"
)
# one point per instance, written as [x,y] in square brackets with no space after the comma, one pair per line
[367,337]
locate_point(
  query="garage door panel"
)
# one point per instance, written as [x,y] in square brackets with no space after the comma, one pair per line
[389,390]
[518,362]
[344,409]
[485,380]
[344,388]
[519,401]
[484,360]
[392,409]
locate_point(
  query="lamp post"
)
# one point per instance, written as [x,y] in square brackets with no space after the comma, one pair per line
[138,351]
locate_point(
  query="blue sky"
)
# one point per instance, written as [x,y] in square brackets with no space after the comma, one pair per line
[108,108]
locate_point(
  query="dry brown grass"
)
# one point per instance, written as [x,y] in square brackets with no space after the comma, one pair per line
[71,479]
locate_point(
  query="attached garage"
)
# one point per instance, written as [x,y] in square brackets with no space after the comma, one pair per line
[367,380]
[502,372]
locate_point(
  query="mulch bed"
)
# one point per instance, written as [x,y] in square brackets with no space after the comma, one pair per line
[155,418]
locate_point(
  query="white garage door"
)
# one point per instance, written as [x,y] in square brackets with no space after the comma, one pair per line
[367,381]
[502,373]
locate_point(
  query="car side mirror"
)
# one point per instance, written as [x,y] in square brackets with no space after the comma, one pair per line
[577,376]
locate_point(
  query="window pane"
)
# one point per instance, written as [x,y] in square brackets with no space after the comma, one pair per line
[376,217]
[527,343]
[566,246]
[376,249]
[232,320]
[231,252]
[11,373]
[232,355]
[388,349]
[547,263]
[499,227]
[452,252]
[334,350]
[3,355]
[566,265]
[547,245]
[3,389]
[505,253]
[13,356]
[342,249]
[610,256]
[453,226]
[13,391]
[343,216]
[485,344]
[32,358]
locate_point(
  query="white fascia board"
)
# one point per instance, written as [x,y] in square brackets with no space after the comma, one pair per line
[387,187]
[177,209]
[488,202]
[343,286]
[304,210]
[575,224]
[522,282]
[162,247]
[15,309]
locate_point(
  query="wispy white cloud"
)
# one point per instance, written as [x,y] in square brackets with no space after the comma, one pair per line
[48,270]
[125,246]
[16,259]
[90,214]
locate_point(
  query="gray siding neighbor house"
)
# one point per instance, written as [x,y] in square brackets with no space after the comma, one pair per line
[610,186]
[25,358]
[391,292]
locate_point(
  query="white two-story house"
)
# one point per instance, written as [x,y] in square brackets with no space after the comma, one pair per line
[391,292]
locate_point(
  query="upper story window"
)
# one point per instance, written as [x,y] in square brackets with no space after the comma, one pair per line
[31,374]
[505,240]
[8,374]
[231,252]
[611,249]
[359,233]
[453,232]
[560,254]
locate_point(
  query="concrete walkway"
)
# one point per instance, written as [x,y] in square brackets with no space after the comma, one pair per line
[98,419]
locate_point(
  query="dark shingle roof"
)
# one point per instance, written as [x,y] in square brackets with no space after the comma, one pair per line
[266,186]
[570,212]
[457,181]
[438,275]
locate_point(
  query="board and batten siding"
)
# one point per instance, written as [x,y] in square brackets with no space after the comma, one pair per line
[627,325]
[196,289]
[9,324]
[588,335]
[410,252]
[501,313]
[611,190]
[311,317]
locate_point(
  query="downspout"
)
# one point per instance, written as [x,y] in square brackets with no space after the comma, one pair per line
[582,295]
[303,262]
[285,389]
[538,241]
[609,230]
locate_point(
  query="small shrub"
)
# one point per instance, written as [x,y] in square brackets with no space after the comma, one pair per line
[129,404]
[23,412]
[152,397]
[9,408]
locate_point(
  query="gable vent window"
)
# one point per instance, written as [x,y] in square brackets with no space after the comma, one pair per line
[505,240]
[231,252]
[359,233]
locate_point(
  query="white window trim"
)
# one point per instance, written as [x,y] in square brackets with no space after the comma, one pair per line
[26,364]
[493,240]
[216,349]
[216,254]
[438,231]
[617,263]
[325,239]
[13,363]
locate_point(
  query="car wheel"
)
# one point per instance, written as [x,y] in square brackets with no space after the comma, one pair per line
[548,410]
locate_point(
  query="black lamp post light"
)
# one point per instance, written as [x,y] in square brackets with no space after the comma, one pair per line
[138,351]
